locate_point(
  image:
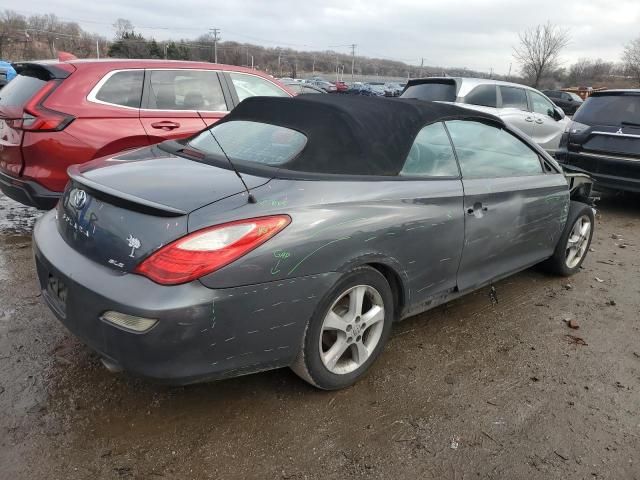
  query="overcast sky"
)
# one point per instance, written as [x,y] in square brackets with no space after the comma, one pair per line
[478,34]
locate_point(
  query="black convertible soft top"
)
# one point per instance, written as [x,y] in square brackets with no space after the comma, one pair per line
[351,135]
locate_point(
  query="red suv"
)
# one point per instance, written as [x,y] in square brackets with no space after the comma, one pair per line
[57,114]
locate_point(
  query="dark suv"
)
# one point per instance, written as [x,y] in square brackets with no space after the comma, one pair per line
[604,140]
[567,101]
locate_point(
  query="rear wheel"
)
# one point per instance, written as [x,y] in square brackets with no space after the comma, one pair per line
[347,332]
[574,243]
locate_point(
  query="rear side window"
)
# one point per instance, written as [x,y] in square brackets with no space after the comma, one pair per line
[483,95]
[485,151]
[608,110]
[185,90]
[20,90]
[122,88]
[431,154]
[251,141]
[514,97]
[443,92]
[553,94]
[253,86]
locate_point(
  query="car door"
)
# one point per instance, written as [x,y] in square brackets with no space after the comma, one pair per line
[433,244]
[245,85]
[514,108]
[548,128]
[180,102]
[514,208]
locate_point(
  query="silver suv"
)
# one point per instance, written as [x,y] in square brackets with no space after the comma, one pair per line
[522,107]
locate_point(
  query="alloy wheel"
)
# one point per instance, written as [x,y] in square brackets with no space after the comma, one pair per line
[352,329]
[578,241]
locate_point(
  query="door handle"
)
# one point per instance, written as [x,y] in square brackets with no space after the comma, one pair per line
[477,209]
[165,125]
[529,119]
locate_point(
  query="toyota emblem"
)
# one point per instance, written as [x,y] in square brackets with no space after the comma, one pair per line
[78,198]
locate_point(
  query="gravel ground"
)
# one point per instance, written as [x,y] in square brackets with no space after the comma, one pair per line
[468,390]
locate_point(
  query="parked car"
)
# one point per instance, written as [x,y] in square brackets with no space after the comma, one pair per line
[603,140]
[359,88]
[57,114]
[300,88]
[392,89]
[323,84]
[286,235]
[567,101]
[377,88]
[341,87]
[518,105]
[7,72]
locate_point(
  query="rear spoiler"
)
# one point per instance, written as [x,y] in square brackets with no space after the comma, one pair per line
[122,199]
[44,70]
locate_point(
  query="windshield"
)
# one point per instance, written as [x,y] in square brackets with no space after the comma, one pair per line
[444,92]
[251,142]
[609,110]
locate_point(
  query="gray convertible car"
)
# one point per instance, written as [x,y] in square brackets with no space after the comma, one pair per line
[296,231]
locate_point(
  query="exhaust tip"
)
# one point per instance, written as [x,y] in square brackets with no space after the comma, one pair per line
[110,365]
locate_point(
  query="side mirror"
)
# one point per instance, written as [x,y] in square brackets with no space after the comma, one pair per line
[570,99]
[557,114]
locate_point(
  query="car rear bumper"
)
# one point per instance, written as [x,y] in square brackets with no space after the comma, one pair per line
[607,171]
[28,192]
[201,333]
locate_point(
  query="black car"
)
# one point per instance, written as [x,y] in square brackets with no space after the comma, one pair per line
[567,101]
[603,140]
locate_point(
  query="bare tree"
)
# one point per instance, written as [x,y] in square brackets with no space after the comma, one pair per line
[122,26]
[631,59]
[539,50]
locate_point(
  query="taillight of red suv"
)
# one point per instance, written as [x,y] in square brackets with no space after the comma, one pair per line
[38,118]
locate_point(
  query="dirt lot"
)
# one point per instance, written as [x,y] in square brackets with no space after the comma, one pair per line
[470,390]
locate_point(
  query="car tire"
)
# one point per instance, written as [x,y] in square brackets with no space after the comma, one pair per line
[337,325]
[574,243]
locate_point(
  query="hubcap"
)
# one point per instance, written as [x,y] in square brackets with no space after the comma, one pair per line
[351,330]
[578,241]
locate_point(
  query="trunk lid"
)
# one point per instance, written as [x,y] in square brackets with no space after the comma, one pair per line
[118,210]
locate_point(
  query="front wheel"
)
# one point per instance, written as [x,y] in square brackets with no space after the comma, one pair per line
[347,332]
[574,242]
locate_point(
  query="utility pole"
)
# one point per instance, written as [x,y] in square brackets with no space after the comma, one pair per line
[98,49]
[165,50]
[421,67]
[214,32]
[509,75]
[353,58]
[279,67]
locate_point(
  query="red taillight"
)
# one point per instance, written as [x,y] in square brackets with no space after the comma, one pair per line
[209,249]
[38,118]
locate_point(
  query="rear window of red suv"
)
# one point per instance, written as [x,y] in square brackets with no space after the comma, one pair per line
[20,90]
